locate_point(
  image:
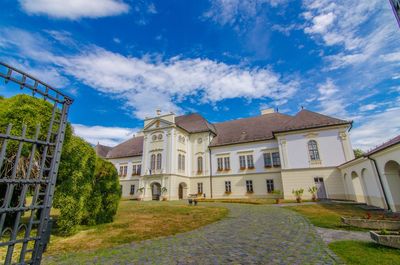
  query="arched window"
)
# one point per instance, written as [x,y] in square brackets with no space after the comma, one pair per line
[183,162]
[313,150]
[153,162]
[199,164]
[158,161]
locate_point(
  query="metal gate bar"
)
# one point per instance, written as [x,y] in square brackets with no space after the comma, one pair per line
[23,241]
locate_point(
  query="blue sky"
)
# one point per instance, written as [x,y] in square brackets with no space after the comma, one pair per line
[122,59]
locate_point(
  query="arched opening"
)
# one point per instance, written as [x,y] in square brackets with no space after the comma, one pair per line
[346,190]
[155,191]
[364,182]
[358,191]
[182,191]
[392,174]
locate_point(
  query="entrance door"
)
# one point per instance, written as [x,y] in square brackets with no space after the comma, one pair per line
[321,192]
[180,192]
[155,191]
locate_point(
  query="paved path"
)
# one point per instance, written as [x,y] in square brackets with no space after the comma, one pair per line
[330,235]
[251,234]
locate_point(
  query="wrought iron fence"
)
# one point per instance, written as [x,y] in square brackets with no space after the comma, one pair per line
[28,168]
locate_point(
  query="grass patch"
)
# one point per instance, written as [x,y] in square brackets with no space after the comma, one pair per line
[328,215]
[249,201]
[358,252]
[136,221]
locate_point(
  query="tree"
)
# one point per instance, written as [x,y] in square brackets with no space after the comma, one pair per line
[87,188]
[106,193]
[33,113]
[74,184]
[358,153]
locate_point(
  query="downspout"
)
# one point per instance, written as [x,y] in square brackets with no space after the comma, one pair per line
[209,151]
[381,183]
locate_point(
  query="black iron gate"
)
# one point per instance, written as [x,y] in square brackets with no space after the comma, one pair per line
[29,173]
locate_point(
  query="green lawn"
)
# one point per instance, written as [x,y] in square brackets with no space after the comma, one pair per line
[137,221]
[365,253]
[328,215]
[249,201]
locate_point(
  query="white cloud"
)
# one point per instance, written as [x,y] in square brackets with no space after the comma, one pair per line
[368,107]
[331,101]
[391,57]
[149,83]
[109,136]
[145,84]
[320,23]
[75,9]
[376,129]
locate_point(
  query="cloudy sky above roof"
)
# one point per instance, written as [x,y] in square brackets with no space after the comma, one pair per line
[122,59]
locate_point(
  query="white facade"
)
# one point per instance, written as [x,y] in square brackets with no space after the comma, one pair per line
[375,178]
[170,164]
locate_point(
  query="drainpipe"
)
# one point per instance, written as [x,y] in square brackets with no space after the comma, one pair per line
[381,183]
[209,151]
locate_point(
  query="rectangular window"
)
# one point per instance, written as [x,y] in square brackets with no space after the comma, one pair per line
[227,163]
[132,190]
[250,163]
[242,162]
[228,188]
[139,169]
[153,162]
[199,164]
[134,170]
[200,188]
[267,160]
[220,164]
[270,185]
[159,161]
[276,161]
[249,186]
[183,162]
[123,171]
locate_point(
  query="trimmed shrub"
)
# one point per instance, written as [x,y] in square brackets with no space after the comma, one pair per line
[106,193]
[87,188]
[75,180]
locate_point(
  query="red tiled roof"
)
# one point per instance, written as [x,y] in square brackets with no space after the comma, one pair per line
[385,145]
[194,123]
[249,129]
[102,150]
[244,130]
[131,147]
[306,119]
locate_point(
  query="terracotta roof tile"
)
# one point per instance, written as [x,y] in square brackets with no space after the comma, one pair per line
[249,129]
[131,147]
[194,123]
[306,119]
[102,150]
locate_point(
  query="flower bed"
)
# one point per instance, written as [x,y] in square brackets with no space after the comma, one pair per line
[391,239]
[375,224]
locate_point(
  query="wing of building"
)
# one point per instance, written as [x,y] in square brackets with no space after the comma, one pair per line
[178,156]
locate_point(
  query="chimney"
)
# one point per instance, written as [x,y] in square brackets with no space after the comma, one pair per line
[267,111]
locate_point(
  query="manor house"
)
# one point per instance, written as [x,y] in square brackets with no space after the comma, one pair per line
[177,156]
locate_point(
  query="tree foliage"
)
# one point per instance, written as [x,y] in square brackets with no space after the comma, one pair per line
[358,153]
[87,188]
[106,193]
[74,184]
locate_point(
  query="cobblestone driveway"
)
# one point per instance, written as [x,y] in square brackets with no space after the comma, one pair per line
[251,234]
